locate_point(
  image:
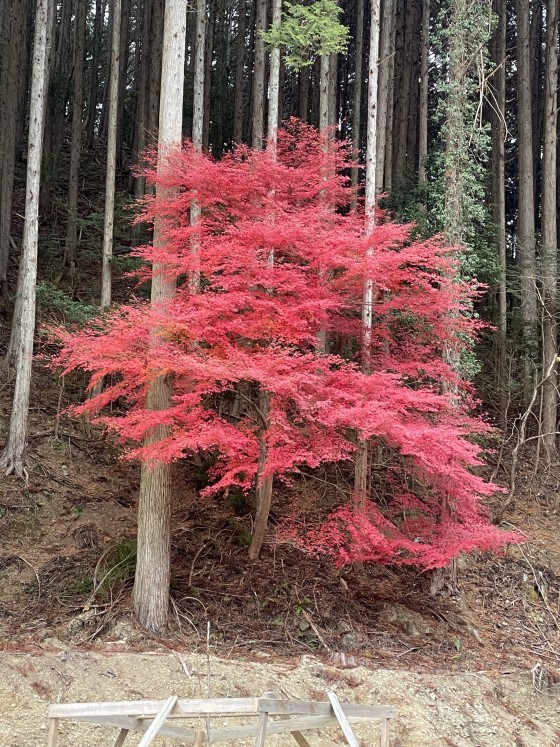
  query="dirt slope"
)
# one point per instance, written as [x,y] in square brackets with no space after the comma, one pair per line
[475,709]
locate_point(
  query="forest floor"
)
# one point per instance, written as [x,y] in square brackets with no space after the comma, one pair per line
[479,667]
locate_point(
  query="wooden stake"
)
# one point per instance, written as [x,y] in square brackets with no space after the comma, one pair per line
[342,720]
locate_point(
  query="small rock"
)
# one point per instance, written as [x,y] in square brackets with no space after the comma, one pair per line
[410,622]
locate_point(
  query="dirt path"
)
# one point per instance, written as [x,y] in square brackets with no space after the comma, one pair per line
[452,710]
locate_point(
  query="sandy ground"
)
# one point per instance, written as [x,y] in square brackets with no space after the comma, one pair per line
[473,709]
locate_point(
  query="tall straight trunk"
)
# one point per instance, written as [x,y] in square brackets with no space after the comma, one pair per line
[499,193]
[154,59]
[423,106]
[60,73]
[388,135]
[143,95]
[304,76]
[361,474]
[198,119]
[324,77]
[71,245]
[263,494]
[549,241]
[274,80]
[536,64]
[239,73]
[333,89]
[112,121]
[11,69]
[357,91]
[13,457]
[94,81]
[123,77]
[151,583]
[199,73]
[385,58]
[258,77]
[525,234]
[219,82]
[208,60]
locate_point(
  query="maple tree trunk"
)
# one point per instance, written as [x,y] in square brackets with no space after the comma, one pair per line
[13,457]
[361,473]
[109,217]
[151,582]
[264,483]
[71,245]
[525,234]
[263,492]
[549,240]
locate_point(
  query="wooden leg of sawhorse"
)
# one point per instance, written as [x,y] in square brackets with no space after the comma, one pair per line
[120,739]
[385,732]
[53,732]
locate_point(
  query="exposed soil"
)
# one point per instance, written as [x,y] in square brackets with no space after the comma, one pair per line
[478,667]
[459,710]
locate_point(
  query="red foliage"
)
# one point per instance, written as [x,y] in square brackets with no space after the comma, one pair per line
[254,326]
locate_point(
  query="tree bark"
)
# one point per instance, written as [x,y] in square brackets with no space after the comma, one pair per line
[151,583]
[498,193]
[274,80]
[385,58]
[357,89]
[361,474]
[112,125]
[94,81]
[71,246]
[258,77]
[549,242]
[239,73]
[263,493]
[525,234]
[13,457]
[424,90]
[11,68]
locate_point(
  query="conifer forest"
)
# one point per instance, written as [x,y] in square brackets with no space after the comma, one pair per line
[279,303]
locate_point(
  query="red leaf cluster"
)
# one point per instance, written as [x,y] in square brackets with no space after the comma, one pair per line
[254,326]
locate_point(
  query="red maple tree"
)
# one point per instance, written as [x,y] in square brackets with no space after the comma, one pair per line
[253,326]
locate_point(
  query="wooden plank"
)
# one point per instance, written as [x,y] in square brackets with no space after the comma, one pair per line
[277,707]
[154,728]
[385,732]
[199,739]
[304,723]
[150,708]
[261,729]
[297,735]
[342,720]
[141,726]
[120,739]
[52,738]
